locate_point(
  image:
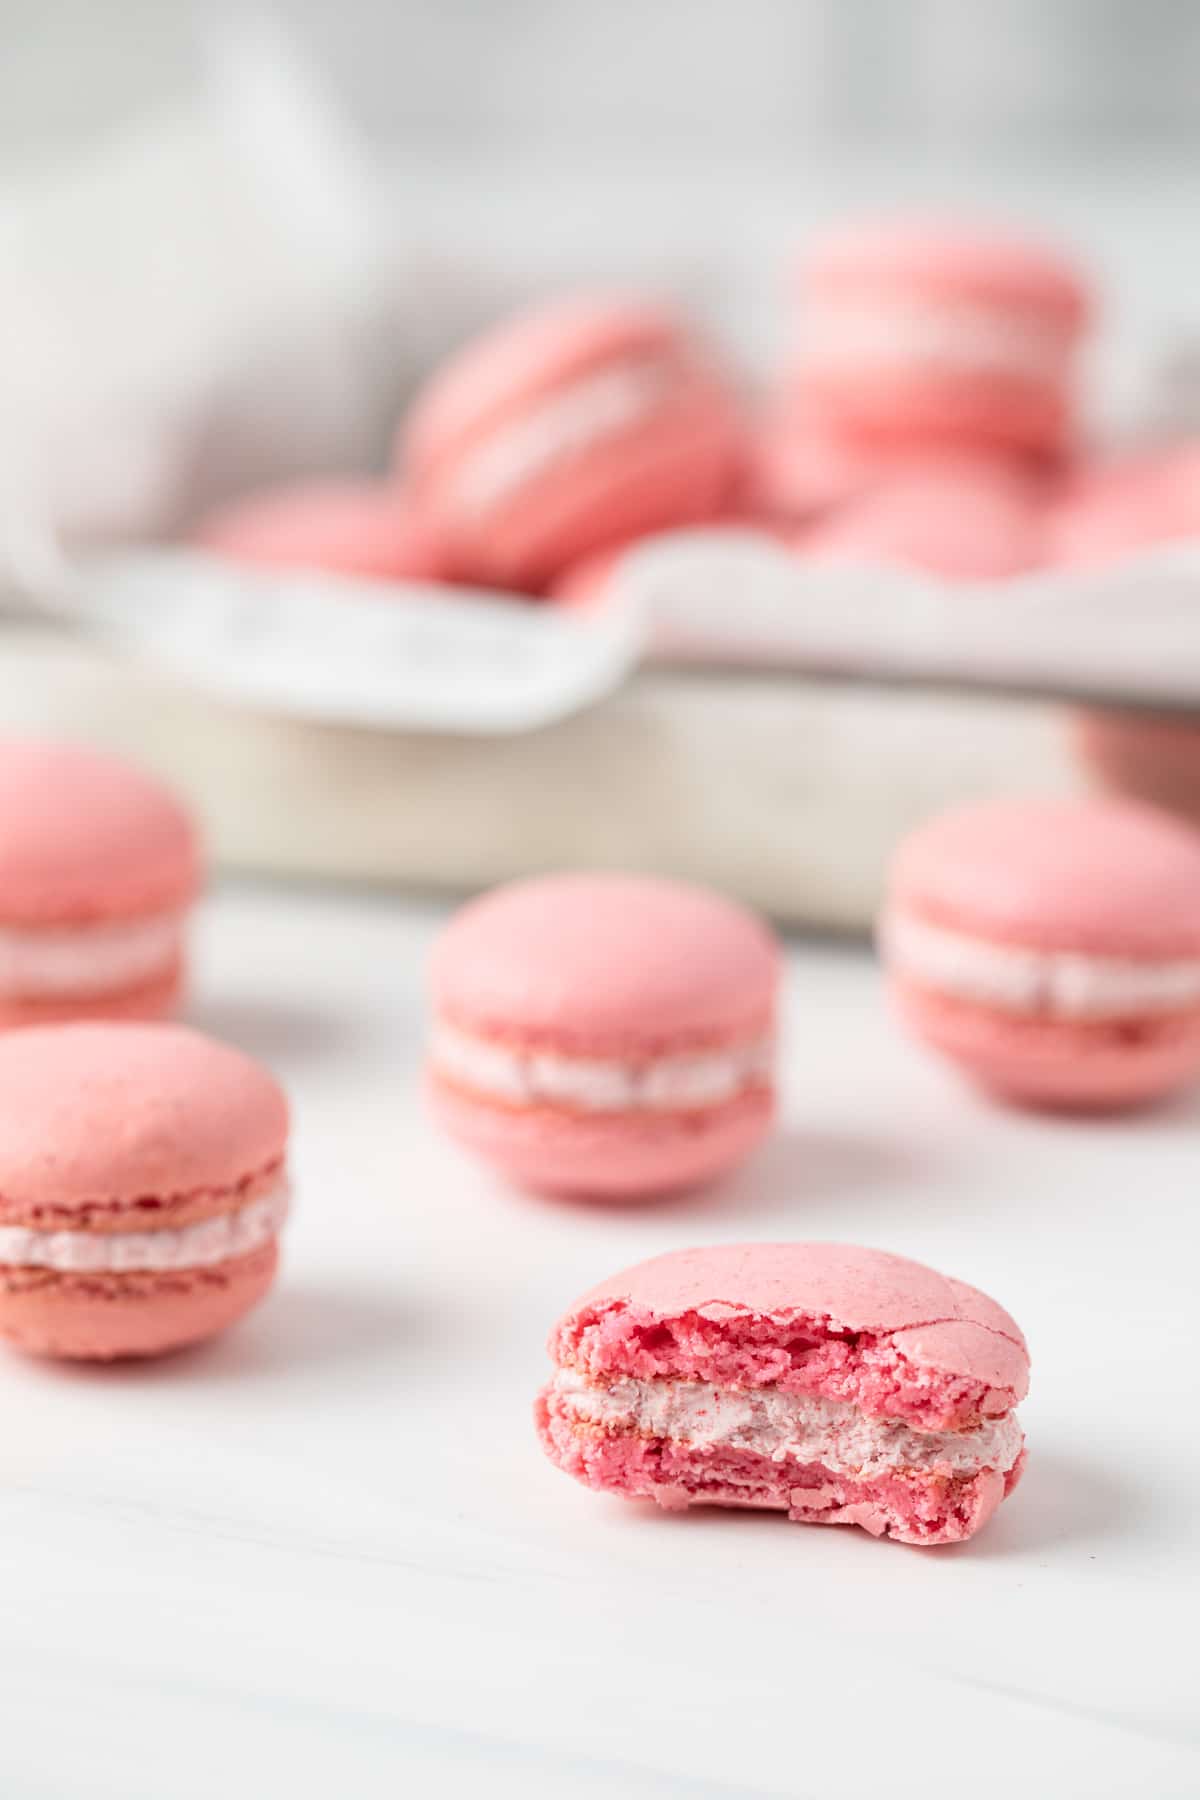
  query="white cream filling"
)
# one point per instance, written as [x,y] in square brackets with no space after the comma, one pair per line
[52,962]
[563,425]
[195,1246]
[804,1427]
[667,1084]
[1055,982]
[955,336]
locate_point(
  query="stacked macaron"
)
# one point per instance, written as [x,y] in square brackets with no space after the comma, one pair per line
[99,868]
[920,335]
[1051,949]
[929,395]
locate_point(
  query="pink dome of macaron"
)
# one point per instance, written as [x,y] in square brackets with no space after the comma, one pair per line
[142,1188]
[1137,503]
[924,333]
[565,430]
[604,1034]
[1151,757]
[99,866]
[358,528]
[964,524]
[1051,947]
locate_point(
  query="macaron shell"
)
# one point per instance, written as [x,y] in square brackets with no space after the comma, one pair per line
[103,1318]
[97,1120]
[677,467]
[1057,1065]
[362,528]
[620,1156]
[1154,759]
[523,358]
[969,528]
[851,1287]
[950,259]
[85,837]
[1095,876]
[890,405]
[607,963]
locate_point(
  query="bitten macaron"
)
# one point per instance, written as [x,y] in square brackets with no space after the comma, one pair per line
[838,1385]
[99,867]
[1051,948]
[605,1035]
[926,333]
[143,1185]
[564,430]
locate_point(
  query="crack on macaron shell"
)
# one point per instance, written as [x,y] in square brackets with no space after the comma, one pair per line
[804,1428]
[103,1214]
[801,1353]
[56,962]
[1035,980]
[525,1075]
[223,1237]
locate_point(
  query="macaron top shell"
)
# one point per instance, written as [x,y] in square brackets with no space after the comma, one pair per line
[84,837]
[853,1288]
[785,1297]
[123,1118]
[957,262]
[350,527]
[526,356]
[971,526]
[1100,877]
[606,961]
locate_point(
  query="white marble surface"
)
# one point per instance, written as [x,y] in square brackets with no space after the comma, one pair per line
[325,1556]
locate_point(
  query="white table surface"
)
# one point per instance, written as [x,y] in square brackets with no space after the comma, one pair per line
[325,1556]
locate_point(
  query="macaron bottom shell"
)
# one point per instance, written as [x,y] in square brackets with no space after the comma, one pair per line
[153,1000]
[612,1156]
[920,1509]
[106,1317]
[1054,1064]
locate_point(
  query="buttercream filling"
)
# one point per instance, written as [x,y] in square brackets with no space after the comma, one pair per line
[801,1427]
[195,1246]
[47,963]
[959,336]
[1059,983]
[674,1083]
[563,425]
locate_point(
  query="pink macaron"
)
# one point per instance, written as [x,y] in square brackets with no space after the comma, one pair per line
[567,429]
[1144,756]
[1111,511]
[605,1035]
[359,528]
[838,1385]
[99,866]
[1051,948]
[801,469]
[142,1188]
[923,333]
[963,523]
